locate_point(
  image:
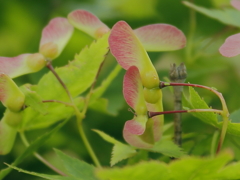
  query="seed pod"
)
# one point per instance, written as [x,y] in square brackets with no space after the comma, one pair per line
[10,95]
[7,137]
[13,119]
[152,95]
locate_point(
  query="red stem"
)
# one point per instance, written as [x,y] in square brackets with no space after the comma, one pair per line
[152,114]
[50,67]
[166,84]
[224,106]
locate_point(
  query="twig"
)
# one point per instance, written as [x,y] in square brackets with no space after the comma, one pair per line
[178,75]
[79,116]
[50,67]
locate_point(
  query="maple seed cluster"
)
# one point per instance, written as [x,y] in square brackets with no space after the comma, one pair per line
[129,48]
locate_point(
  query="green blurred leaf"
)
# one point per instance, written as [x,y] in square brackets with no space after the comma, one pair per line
[141,155]
[168,148]
[195,168]
[233,128]
[76,168]
[230,172]
[120,152]
[226,16]
[100,105]
[143,171]
[167,126]
[33,100]
[235,116]
[33,147]
[7,133]
[45,176]
[198,168]
[198,103]
[220,3]
[130,9]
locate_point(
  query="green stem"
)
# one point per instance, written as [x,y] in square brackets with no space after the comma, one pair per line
[213,144]
[57,101]
[87,144]
[80,116]
[39,157]
[223,132]
[192,28]
[50,67]
[87,99]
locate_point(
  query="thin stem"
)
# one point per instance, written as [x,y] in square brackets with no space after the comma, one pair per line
[79,121]
[213,144]
[178,75]
[80,116]
[223,132]
[39,157]
[57,101]
[87,144]
[224,106]
[50,67]
[192,28]
[87,99]
[152,114]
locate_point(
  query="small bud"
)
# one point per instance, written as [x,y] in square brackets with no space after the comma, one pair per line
[182,71]
[178,74]
[173,74]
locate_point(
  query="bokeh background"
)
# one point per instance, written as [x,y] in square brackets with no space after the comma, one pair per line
[21,23]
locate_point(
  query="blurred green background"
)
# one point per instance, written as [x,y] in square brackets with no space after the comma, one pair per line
[21,23]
